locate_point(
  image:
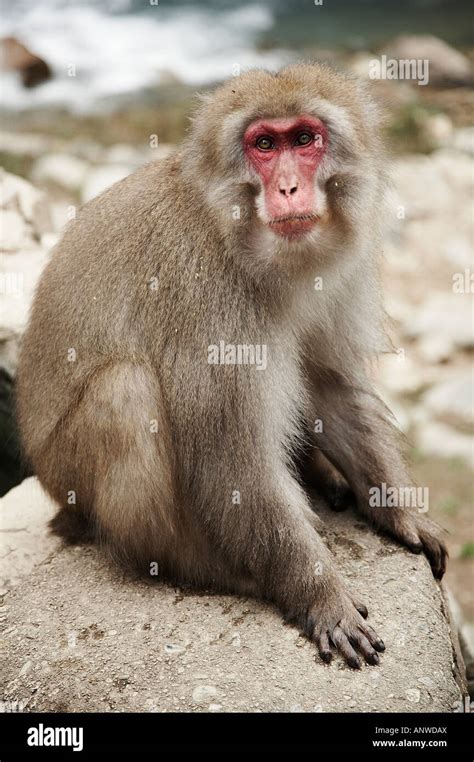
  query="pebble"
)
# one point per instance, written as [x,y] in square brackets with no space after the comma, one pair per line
[202,693]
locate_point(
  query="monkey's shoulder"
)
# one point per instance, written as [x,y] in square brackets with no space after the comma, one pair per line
[150,210]
[135,195]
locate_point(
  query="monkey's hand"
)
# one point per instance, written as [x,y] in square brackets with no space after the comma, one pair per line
[418,533]
[337,622]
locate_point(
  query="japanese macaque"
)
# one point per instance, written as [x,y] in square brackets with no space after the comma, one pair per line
[143,409]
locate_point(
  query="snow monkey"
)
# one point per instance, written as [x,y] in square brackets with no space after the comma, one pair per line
[145,406]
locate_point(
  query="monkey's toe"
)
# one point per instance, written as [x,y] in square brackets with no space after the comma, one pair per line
[435,551]
[351,636]
[420,535]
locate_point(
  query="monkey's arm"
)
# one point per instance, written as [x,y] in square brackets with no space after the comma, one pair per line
[269,535]
[359,438]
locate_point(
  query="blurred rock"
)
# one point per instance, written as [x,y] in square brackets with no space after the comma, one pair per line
[447,66]
[18,195]
[400,374]
[399,412]
[440,440]
[458,251]
[48,240]
[437,130]
[131,156]
[14,56]
[123,154]
[445,315]
[61,169]
[421,189]
[88,150]
[463,140]
[435,349]
[12,230]
[101,178]
[25,223]
[61,214]
[453,399]
[24,144]
[397,309]
[456,169]
[19,274]
[359,64]
[426,185]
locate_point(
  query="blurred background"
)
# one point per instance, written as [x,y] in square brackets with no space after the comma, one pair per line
[91,89]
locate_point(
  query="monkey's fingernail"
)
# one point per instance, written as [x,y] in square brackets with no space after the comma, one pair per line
[417,547]
[326,656]
[372,659]
[362,611]
[354,662]
[379,645]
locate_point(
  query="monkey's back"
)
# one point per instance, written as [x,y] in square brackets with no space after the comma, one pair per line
[105,294]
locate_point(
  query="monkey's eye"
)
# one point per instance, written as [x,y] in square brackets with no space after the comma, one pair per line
[303,139]
[265,143]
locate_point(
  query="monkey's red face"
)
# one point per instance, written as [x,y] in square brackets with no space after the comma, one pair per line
[285,154]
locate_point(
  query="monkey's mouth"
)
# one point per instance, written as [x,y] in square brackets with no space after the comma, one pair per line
[293,225]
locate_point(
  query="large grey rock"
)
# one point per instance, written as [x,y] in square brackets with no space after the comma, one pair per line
[446,64]
[82,636]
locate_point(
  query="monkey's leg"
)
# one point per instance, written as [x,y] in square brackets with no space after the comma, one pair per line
[113,452]
[361,441]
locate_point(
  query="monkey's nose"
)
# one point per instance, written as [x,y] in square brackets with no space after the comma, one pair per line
[288,189]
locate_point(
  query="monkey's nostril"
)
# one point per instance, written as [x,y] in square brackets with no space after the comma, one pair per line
[290,191]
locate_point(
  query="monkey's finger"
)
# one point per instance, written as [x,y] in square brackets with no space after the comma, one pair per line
[362,643]
[341,641]
[408,537]
[324,648]
[436,553]
[373,638]
[361,609]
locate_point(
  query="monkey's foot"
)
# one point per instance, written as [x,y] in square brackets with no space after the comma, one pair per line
[419,534]
[338,623]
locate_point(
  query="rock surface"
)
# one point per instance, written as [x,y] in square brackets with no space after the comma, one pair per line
[81,636]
